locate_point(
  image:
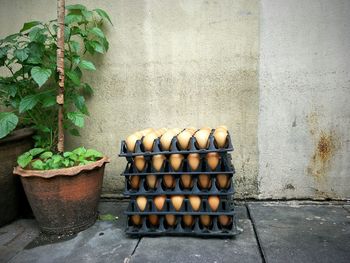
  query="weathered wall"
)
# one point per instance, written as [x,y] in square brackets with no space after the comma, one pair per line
[170,63]
[304,85]
[177,63]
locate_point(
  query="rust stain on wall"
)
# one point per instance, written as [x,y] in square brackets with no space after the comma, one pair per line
[325,147]
[326,144]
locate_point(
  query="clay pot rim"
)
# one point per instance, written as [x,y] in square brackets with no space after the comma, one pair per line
[70,171]
[17,135]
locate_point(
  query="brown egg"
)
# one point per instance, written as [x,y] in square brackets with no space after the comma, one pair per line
[151,180]
[195,202]
[148,141]
[205,220]
[224,220]
[176,161]
[204,181]
[206,128]
[159,201]
[168,181]
[220,137]
[176,130]
[188,220]
[158,133]
[193,160]
[134,181]
[153,219]
[222,181]
[186,180]
[131,141]
[139,135]
[136,220]
[223,127]
[162,130]
[165,140]
[177,201]
[141,202]
[192,130]
[157,161]
[146,131]
[202,137]
[184,139]
[213,160]
[140,163]
[214,202]
[170,219]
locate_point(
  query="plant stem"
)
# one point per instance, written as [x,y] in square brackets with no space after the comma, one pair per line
[60,70]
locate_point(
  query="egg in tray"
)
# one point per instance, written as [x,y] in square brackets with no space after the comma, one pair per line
[179,182]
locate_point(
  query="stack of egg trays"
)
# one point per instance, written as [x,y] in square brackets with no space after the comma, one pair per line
[226,206]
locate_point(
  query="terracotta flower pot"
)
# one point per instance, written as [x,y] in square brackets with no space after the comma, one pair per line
[65,200]
[12,198]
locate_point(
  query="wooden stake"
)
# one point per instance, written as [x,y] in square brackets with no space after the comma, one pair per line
[60,70]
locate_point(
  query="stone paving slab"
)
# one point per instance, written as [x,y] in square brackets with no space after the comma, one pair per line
[290,232]
[14,237]
[103,242]
[242,248]
[116,209]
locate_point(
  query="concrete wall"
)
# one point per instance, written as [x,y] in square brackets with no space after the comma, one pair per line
[304,85]
[173,64]
[177,63]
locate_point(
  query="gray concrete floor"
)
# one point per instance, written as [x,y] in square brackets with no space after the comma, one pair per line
[272,232]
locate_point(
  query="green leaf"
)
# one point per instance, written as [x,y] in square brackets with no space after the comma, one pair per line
[29,25]
[21,54]
[79,102]
[38,165]
[76,7]
[88,89]
[71,156]
[77,118]
[35,151]
[46,155]
[67,33]
[73,18]
[79,151]
[93,153]
[48,101]
[28,103]
[97,46]
[12,90]
[85,64]
[8,122]
[88,15]
[67,154]
[97,32]
[73,76]
[66,162]
[74,45]
[57,158]
[24,159]
[37,35]
[40,75]
[103,14]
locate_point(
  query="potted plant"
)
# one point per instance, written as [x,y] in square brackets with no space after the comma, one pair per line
[63,187]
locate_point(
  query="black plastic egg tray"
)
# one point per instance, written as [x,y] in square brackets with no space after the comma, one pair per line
[225,207]
[197,229]
[193,148]
[224,166]
[178,189]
